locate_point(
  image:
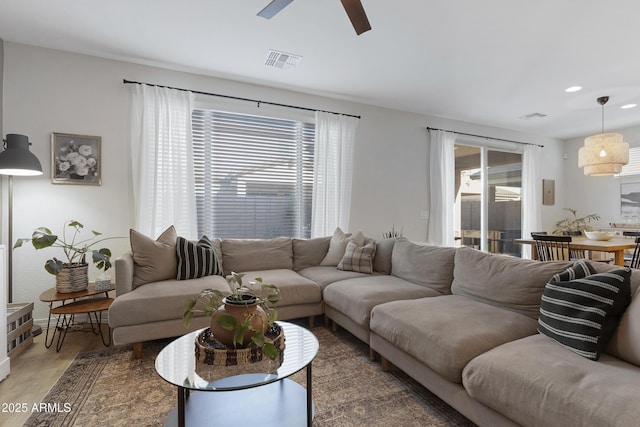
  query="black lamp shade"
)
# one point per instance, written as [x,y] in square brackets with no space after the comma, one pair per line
[16,159]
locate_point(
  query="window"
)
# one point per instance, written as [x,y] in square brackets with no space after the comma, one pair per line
[633,167]
[254,175]
[488,206]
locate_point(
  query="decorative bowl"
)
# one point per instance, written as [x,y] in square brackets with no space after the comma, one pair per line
[598,235]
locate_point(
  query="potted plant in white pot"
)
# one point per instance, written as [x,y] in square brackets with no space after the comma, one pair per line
[241,319]
[72,271]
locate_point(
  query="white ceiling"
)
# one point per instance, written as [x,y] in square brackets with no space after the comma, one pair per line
[489,62]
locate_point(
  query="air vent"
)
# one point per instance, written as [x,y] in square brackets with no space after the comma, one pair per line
[284,61]
[533,116]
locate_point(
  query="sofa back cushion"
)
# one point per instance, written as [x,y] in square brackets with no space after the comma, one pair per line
[430,266]
[242,255]
[382,260]
[511,283]
[625,343]
[309,252]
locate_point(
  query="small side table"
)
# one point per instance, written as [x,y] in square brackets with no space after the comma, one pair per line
[86,302]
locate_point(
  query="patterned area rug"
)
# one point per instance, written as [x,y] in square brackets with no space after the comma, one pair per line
[111,388]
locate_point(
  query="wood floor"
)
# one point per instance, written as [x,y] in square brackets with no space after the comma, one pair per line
[37,369]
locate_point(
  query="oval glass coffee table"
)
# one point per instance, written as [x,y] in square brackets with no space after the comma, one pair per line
[260,393]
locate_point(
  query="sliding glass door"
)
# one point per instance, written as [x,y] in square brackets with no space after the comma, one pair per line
[488,198]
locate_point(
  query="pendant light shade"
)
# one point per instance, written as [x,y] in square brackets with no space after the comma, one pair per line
[16,159]
[605,153]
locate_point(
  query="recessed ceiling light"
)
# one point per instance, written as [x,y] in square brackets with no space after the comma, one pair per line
[573,89]
[627,106]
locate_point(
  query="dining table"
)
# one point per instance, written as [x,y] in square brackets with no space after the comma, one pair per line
[617,245]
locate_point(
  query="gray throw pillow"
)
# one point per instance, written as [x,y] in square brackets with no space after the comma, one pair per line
[154,260]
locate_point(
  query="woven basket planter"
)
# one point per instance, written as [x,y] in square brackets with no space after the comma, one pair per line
[211,352]
[72,278]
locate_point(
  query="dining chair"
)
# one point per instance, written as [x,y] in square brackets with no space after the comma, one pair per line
[634,260]
[552,248]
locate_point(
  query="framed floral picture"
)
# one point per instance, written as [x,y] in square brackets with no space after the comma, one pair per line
[75,159]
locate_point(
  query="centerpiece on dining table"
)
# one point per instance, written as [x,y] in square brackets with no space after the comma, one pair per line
[243,328]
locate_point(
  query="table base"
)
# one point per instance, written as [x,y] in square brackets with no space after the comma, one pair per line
[280,404]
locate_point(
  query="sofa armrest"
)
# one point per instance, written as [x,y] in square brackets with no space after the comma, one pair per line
[124,273]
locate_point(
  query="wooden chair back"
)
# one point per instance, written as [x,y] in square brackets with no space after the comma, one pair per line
[635,258]
[552,248]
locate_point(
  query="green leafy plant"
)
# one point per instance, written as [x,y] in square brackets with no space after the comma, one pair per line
[75,247]
[393,233]
[572,224]
[265,295]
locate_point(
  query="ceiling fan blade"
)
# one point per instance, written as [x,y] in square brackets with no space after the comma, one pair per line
[273,8]
[357,15]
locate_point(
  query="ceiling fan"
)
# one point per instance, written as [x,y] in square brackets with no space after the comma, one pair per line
[354,10]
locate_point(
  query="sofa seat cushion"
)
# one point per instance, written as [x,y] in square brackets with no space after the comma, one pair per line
[356,297]
[159,301]
[323,275]
[294,288]
[508,282]
[448,331]
[536,381]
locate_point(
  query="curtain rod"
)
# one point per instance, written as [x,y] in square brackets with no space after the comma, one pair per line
[125,81]
[487,137]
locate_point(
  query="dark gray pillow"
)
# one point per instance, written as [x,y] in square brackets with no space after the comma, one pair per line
[196,259]
[582,314]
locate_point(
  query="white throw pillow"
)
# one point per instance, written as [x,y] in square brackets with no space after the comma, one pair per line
[338,244]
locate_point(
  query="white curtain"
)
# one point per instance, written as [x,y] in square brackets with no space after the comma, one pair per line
[531,195]
[442,185]
[162,161]
[333,171]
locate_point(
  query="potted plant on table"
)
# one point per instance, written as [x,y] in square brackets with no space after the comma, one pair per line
[572,225]
[72,271]
[241,319]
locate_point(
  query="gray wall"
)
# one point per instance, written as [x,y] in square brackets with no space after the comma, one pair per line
[82,94]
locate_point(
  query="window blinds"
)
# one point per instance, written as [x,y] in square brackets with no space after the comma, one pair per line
[253,174]
[633,167]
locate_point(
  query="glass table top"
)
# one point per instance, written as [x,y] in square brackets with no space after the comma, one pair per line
[177,364]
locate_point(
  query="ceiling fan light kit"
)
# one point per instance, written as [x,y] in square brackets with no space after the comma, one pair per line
[605,153]
[355,12]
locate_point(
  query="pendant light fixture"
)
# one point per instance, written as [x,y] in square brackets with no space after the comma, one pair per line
[605,153]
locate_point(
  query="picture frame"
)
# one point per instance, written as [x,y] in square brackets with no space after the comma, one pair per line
[548,191]
[76,159]
[630,200]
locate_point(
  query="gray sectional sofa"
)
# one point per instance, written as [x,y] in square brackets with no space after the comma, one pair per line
[461,322]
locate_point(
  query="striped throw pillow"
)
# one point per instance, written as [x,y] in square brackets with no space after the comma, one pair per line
[578,270]
[358,258]
[582,313]
[196,259]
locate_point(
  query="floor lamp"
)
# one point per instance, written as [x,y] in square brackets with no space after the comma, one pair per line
[16,160]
